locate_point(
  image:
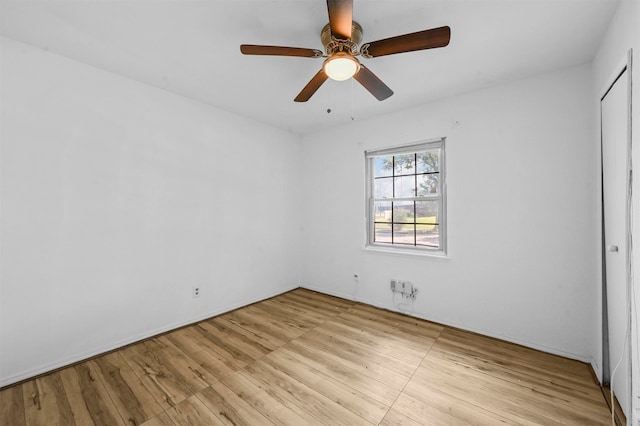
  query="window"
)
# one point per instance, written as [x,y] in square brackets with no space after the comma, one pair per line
[406,197]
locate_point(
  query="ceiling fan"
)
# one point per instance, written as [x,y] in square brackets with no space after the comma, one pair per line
[340,38]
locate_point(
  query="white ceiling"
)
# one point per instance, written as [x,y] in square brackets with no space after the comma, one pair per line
[192,48]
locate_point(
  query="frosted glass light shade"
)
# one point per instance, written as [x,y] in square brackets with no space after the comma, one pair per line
[341,66]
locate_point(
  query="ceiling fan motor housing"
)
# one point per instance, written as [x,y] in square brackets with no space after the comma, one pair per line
[333,44]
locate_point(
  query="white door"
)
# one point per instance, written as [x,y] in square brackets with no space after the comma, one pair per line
[614,108]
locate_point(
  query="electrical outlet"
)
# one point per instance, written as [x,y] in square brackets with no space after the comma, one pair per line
[195,292]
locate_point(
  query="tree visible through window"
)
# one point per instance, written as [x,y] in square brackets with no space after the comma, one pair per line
[406,200]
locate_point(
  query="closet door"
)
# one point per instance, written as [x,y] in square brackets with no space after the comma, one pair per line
[615,137]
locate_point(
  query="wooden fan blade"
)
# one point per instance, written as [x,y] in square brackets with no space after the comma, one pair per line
[312,86]
[421,40]
[254,49]
[373,84]
[340,17]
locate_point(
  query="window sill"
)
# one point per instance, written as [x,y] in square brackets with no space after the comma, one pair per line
[406,252]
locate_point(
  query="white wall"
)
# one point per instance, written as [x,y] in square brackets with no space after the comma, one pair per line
[117,198]
[521,213]
[623,34]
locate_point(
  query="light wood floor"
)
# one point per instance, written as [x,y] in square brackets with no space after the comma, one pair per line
[303,358]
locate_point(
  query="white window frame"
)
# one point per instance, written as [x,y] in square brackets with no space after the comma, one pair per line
[370,156]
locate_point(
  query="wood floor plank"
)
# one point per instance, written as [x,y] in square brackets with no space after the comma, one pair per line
[237,345]
[230,407]
[500,351]
[263,400]
[457,388]
[163,371]
[161,419]
[323,304]
[12,406]
[184,363]
[505,398]
[318,310]
[217,345]
[132,399]
[95,396]
[290,322]
[250,334]
[419,342]
[396,418]
[418,331]
[202,352]
[76,396]
[290,392]
[355,401]
[266,341]
[388,334]
[566,378]
[369,386]
[46,402]
[303,316]
[72,396]
[537,383]
[252,319]
[191,412]
[399,362]
[384,344]
[431,408]
[324,299]
[375,368]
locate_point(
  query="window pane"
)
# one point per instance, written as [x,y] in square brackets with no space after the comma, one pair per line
[382,233]
[428,184]
[428,161]
[403,212]
[404,234]
[428,235]
[405,164]
[405,186]
[382,166]
[427,212]
[382,211]
[384,187]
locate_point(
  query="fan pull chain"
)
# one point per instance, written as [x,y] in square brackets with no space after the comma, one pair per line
[329,97]
[353,115]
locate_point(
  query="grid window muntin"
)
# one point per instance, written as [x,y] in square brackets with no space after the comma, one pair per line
[405,195]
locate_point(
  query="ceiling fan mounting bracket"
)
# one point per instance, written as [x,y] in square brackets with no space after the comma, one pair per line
[333,44]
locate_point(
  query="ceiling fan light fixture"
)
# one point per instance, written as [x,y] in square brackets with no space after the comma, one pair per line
[341,66]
